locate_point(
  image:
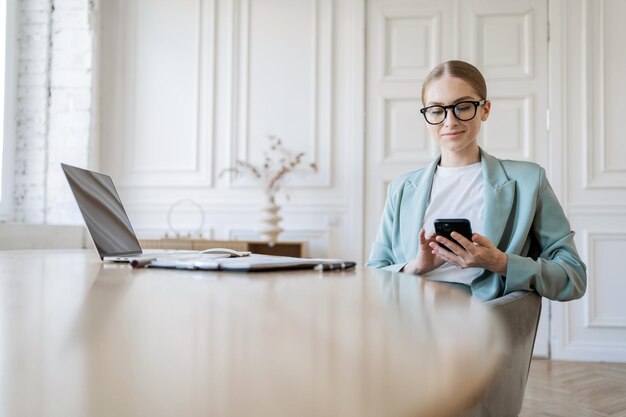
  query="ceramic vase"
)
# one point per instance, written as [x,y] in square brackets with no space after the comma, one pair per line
[269,228]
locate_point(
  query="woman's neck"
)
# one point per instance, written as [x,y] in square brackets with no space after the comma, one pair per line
[459,159]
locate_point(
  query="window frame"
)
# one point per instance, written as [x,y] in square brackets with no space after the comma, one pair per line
[8,126]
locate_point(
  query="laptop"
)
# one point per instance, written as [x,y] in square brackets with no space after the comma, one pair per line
[108,224]
[115,240]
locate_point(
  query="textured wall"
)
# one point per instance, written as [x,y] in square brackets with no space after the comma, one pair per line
[55,98]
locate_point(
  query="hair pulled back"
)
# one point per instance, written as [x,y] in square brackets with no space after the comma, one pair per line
[457,69]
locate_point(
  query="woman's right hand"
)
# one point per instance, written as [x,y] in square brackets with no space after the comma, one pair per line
[425,261]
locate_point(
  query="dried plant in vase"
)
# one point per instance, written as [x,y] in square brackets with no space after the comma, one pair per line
[278,163]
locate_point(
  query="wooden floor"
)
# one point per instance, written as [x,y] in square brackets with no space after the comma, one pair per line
[575,389]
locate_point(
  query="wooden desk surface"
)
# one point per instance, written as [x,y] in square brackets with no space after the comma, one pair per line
[82,338]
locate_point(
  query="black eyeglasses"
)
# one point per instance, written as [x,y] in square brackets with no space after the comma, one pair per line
[463,110]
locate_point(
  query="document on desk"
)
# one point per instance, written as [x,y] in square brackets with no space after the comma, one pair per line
[254,262]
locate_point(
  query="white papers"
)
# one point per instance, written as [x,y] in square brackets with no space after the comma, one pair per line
[253,262]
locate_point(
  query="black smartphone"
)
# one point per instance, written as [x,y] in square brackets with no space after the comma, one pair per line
[443,227]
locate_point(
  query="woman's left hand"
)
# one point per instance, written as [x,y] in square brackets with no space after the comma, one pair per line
[480,252]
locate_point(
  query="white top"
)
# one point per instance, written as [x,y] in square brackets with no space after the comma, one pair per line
[457,192]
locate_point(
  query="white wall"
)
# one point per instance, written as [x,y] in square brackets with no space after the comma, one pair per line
[200,83]
[54,103]
[588,153]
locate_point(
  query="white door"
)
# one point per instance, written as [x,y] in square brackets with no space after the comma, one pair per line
[505,39]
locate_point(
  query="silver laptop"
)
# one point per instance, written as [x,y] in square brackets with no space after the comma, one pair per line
[108,224]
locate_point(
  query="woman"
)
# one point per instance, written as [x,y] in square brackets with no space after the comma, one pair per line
[510,205]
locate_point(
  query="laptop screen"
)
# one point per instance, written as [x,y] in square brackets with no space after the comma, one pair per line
[103,212]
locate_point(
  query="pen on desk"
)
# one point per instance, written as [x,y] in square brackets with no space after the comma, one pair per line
[141,263]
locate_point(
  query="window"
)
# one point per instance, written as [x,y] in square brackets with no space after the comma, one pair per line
[7,105]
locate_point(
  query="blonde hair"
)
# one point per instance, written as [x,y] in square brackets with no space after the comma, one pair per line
[457,69]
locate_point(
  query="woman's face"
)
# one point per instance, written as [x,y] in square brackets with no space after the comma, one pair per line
[454,135]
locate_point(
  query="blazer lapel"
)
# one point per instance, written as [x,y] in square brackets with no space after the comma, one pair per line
[499,193]
[414,202]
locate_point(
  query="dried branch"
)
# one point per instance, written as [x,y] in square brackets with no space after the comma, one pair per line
[278,162]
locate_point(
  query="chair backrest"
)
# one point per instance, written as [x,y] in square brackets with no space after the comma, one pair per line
[519,312]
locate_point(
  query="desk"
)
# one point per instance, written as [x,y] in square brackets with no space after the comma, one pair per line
[82,338]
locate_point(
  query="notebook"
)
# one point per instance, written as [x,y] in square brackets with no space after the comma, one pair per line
[115,240]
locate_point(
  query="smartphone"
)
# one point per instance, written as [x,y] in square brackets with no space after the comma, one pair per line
[443,227]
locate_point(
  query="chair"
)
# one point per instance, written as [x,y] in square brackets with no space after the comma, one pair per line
[519,312]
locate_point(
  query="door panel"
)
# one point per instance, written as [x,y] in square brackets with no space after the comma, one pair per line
[507,41]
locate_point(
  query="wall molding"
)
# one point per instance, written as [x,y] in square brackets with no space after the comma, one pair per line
[526,120]
[316,241]
[291,235]
[320,132]
[527,69]
[597,174]
[244,206]
[604,210]
[565,347]
[153,232]
[201,172]
[591,319]
[393,153]
[386,21]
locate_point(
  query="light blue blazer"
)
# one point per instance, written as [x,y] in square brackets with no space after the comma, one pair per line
[519,203]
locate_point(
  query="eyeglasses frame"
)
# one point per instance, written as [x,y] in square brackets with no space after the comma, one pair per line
[451,107]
